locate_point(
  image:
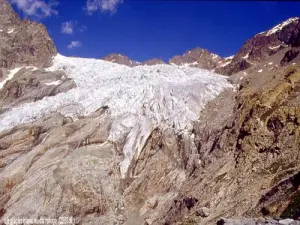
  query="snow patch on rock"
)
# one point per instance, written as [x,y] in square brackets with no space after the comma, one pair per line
[246,56]
[57,82]
[11,74]
[10,31]
[274,47]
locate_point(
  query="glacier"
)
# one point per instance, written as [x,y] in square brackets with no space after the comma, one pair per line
[139,98]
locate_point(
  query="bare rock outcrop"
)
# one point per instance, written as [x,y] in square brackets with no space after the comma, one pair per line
[263,45]
[23,42]
[29,85]
[125,60]
[249,162]
[198,57]
[25,46]
[151,62]
[121,59]
[71,166]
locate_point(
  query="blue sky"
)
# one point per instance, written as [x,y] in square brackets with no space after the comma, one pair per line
[144,29]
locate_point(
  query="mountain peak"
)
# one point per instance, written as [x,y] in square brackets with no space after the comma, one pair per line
[263,45]
[197,57]
[120,59]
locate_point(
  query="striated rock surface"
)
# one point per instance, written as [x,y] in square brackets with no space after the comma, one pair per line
[71,166]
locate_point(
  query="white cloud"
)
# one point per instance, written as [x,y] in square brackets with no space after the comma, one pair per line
[74,44]
[102,5]
[37,8]
[68,27]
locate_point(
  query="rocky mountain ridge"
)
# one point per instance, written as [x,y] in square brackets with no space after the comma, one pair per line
[265,44]
[283,36]
[125,60]
[198,57]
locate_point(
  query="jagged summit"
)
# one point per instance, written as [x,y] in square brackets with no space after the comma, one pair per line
[121,59]
[255,50]
[198,57]
[125,60]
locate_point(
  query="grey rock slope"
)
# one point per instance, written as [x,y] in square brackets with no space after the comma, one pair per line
[30,85]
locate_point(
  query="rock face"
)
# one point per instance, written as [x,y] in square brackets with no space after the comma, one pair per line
[23,42]
[263,45]
[125,60]
[120,59]
[72,173]
[198,57]
[248,149]
[152,62]
[26,43]
[28,85]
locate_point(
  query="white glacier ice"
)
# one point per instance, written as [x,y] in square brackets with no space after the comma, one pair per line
[139,98]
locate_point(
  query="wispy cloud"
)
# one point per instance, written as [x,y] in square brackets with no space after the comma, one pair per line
[102,5]
[68,27]
[37,8]
[82,28]
[74,44]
